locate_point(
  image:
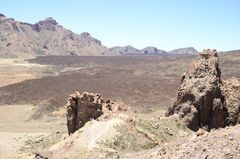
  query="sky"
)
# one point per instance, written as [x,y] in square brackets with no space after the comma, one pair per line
[166,24]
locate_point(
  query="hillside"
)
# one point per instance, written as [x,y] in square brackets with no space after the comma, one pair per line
[130,50]
[187,50]
[47,37]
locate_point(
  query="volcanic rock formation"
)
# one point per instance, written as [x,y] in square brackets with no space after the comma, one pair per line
[200,100]
[84,107]
[231,90]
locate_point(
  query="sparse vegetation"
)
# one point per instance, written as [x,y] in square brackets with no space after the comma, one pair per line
[144,134]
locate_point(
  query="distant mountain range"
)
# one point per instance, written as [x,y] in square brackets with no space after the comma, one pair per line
[131,50]
[150,50]
[47,37]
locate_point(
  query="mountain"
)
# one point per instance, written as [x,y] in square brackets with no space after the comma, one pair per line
[152,51]
[130,50]
[230,52]
[187,50]
[47,37]
[124,50]
[19,39]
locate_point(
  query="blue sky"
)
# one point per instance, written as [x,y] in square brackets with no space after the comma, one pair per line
[166,24]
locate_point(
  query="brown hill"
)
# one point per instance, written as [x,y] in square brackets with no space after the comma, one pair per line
[47,37]
[19,39]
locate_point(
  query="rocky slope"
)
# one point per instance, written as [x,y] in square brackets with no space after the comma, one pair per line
[221,143]
[47,37]
[231,91]
[203,99]
[128,136]
[19,39]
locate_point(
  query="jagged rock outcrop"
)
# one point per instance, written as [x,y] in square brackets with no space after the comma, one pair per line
[48,24]
[200,102]
[231,90]
[84,107]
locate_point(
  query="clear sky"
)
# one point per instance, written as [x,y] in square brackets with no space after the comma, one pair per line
[166,24]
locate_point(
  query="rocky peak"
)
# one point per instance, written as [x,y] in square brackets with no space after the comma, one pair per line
[200,102]
[130,49]
[203,99]
[207,63]
[49,21]
[85,34]
[2,15]
[150,50]
[48,24]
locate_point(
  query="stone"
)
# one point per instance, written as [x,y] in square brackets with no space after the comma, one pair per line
[84,107]
[48,24]
[200,103]
[231,90]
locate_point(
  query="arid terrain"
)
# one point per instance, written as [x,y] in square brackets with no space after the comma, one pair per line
[119,79]
[34,92]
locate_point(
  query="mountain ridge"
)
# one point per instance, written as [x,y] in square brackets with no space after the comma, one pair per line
[47,37]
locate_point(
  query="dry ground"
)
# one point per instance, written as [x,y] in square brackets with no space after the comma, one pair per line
[145,84]
[17,70]
[142,82]
[19,134]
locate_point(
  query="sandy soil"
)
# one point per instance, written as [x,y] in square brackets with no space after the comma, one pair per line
[17,70]
[16,130]
[144,83]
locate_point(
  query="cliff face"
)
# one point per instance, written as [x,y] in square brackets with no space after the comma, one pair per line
[231,90]
[200,101]
[18,39]
[84,107]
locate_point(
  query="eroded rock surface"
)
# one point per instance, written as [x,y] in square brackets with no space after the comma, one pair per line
[200,101]
[84,107]
[231,91]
